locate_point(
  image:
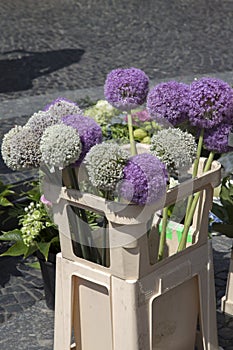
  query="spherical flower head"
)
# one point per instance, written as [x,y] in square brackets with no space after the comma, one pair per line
[20,149]
[175,148]
[126,89]
[89,131]
[61,107]
[39,121]
[216,139]
[145,179]
[6,146]
[105,163]
[210,103]
[60,146]
[167,103]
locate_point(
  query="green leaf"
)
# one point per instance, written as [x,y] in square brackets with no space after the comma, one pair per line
[14,235]
[4,202]
[19,248]
[45,246]
[30,250]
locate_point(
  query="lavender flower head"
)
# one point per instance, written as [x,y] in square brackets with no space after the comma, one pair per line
[61,107]
[144,181]
[60,146]
[39,121]
[217,139]
[20,148]
[168,103]
[210,103]
[126,89]
[89,131]
[175,148]
[105,163]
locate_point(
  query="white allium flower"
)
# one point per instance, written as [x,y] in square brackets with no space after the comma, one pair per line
[62,107]
[60,146]
[41,120]
[105,163]
[175,148]
[6,145]
[21,149]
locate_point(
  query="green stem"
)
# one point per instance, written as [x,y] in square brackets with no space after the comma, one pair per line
[162,240]
[131,137]
[191,212]
[199,149]
[195,170]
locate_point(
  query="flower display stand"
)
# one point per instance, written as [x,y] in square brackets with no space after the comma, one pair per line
[227,300]
[136,303]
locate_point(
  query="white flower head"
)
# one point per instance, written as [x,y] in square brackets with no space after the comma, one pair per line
[20,148]
[175,148]
[60,146]
[62,107]
[105,163]
[39,121]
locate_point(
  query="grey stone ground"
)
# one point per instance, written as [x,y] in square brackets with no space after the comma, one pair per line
[66,48]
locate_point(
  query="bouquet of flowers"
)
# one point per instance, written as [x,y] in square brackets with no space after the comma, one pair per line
[182,120]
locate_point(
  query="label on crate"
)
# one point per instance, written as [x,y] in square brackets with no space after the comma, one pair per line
[176,228]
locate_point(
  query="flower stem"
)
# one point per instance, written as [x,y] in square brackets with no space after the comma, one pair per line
[162,240]
[193,205]
[131,137]
[199,149]
[195,170]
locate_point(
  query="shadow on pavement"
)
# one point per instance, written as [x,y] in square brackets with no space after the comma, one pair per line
[17,74]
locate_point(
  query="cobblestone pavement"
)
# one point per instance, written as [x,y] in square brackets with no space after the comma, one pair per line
[73,44]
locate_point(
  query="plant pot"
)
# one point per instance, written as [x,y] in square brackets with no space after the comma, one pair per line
[48,271]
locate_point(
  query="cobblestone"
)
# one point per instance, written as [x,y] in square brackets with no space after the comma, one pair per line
[70,44]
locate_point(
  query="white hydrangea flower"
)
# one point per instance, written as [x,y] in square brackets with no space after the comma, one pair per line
[60,146]
[105,163]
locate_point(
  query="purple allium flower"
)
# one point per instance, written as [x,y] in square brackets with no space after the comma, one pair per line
[89,131]
[216,139]
[144,179]
[126,89]
[168,102]
[210,103]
